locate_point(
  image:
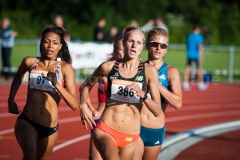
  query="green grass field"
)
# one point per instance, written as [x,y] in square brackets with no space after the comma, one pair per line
[213,60]
[21,51]
[176,57]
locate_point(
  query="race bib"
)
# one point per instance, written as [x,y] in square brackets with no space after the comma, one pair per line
[120,92]
[38,80]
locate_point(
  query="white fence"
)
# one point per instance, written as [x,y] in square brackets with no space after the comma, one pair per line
[90,55]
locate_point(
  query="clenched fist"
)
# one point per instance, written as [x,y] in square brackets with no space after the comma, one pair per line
[52,77]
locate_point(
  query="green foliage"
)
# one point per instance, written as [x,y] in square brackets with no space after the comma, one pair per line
[21,51]
[28,18]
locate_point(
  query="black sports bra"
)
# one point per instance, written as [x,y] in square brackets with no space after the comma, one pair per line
[116,84]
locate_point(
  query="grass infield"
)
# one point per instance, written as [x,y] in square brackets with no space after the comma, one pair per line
[214,61]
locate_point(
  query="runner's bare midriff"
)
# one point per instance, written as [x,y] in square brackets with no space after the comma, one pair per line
[44,103]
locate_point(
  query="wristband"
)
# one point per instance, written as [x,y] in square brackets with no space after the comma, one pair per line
[144,97]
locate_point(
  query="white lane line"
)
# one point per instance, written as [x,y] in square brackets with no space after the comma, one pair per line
[4,115]
[203,115]
[176,144]
[192,108]
[71,142]
[5,105]
[19,103]
[205,107]
[6,131]
[73,119]
[180,136]
[173,119]
[20,96]
[60,109]
[4,156]
[66,120]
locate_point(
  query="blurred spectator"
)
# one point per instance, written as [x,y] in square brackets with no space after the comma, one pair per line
[160,24]
[40,36]
[111,35]
[7,42]
[59,22]
[148,26]
[195,56]
[98,34]
[206,35]
[157,23]
[134,23]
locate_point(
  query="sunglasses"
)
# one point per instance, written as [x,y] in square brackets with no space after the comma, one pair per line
[156,44]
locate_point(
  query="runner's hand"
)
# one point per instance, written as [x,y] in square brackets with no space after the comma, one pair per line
[137,90]
[86,116]
[52,77]
[13,108]
[96,115]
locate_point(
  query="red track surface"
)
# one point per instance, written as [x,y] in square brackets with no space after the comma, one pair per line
[219,103]
[221,147]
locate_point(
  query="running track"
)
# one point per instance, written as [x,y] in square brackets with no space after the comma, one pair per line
[218,104]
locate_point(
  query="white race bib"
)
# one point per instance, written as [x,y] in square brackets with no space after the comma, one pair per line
[119,91]
[38,80]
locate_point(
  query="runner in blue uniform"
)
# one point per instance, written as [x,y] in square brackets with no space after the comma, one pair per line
[153,128]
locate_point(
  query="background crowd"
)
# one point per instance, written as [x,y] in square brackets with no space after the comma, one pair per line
[81,17]
[100,35]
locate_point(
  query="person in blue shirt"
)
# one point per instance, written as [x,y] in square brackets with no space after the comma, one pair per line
[7,36]
[153,128]
[195,56]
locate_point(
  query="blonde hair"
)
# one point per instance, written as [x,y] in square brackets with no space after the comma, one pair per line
[133,29]
[157,31]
